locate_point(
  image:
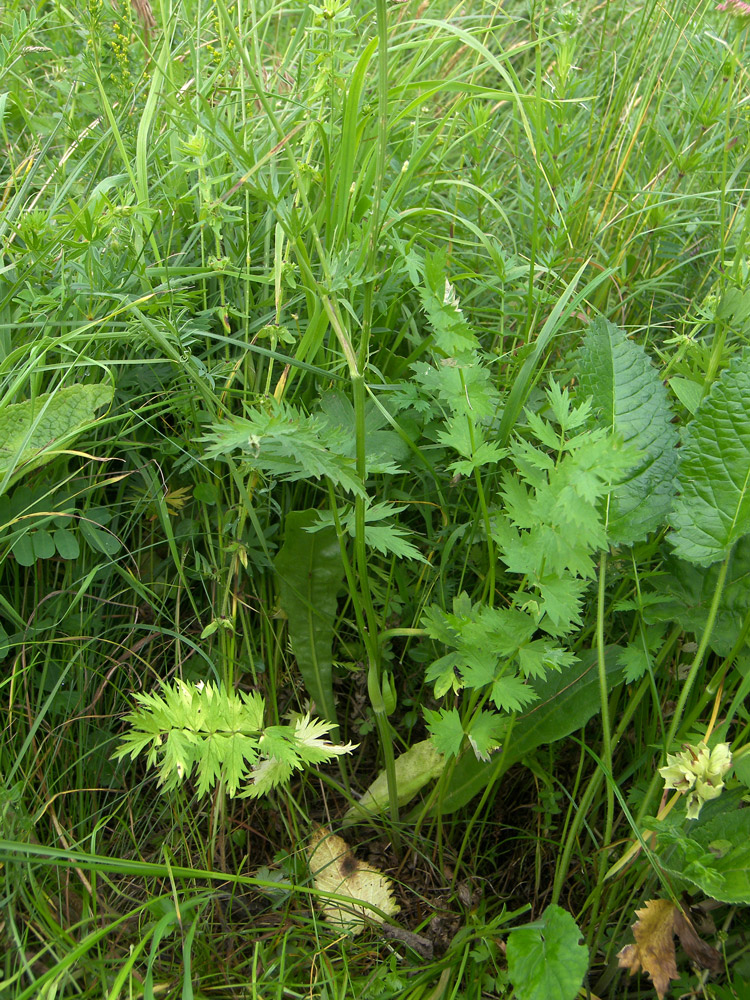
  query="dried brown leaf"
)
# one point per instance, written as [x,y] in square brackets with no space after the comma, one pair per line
[654,952]
[335,870]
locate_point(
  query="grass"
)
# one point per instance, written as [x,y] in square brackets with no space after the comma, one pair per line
[219,207]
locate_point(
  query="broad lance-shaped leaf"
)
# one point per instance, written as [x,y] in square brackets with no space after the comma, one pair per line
[713,511]
[417,766]
[630,398]
[33,432]
[309,573]
[567,699]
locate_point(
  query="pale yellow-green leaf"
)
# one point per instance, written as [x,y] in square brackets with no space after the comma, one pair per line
[420,764]
[34,431]
[335,870]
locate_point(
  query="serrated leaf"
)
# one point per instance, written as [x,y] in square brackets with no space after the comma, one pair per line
[546,960]
[726,876]
[385,450]
[309,575]
[285,443]
[631,400]
[567,699]
[713,510]
[446,730]
[485,730]
[635,661]
[512,694]
[684,595]
[33,432]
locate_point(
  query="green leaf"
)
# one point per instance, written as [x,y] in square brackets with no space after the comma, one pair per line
[309,574]
[99,540]
[714,856]
[386,452]
[415,768]
[44,547]
[23,550]
[713,511]
[288,445]
[630,399]
[484,732]
[545,959]
[66,544]
[446,729]
[688,392]
[635,661]
[566,701]
[684,594]
[32,433]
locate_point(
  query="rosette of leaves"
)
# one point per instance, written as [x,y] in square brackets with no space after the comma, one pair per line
[220,735]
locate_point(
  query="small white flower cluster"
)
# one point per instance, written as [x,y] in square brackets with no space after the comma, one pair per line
[699,772]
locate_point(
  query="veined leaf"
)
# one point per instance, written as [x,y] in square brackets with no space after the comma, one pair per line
[309,573]
[546,960]
[713,511]
[632,401]
[713,856]
[416,767]
[33,432]
[683,594]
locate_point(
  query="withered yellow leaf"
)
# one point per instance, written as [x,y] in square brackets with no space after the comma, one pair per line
[335,870]
[654,952]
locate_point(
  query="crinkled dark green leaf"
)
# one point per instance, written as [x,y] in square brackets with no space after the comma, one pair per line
[33,432]
[630,398]
[713,510]
[310,574]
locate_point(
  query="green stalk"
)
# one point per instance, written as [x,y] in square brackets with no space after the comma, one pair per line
[700,653]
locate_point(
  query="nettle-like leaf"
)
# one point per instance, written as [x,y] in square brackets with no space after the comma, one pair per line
[713,510]
[630,399]
[33,432]
[220,735]
[546,960]
[712,855]
[388,538]
[684,593]
[282,442]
